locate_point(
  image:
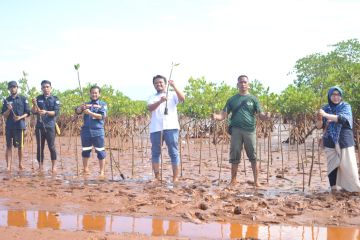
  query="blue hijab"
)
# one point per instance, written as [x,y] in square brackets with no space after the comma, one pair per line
[341,109]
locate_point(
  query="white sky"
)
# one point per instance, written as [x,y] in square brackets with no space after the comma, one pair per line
[124,43]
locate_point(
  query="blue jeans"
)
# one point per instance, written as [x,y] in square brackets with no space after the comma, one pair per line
[171,138]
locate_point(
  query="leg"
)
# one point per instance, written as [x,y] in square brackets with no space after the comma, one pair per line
[332,177]
[8,153]
[234,169]
[8,156]
[249,144]
[19,143]
[50,139]
[40,142]
[171,138]
[155,153]
[86,151]
[235,152]
[99,144]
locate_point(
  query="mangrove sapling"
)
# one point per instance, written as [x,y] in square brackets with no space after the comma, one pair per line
[167,88]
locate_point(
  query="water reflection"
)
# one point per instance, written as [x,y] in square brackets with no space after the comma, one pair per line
[48,220]
[161,227]
[16,218]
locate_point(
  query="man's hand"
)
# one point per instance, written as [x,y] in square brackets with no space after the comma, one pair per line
[42,112]
[163,99]
[9,106]
[16,118]
[86,111]
[172,83]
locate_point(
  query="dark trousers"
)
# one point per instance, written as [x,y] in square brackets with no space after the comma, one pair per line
[332,177]
[41,135]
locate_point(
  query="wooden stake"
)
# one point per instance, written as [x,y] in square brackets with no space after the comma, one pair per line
[312,160]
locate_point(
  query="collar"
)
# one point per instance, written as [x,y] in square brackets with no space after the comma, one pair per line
[16,96]
[95,101]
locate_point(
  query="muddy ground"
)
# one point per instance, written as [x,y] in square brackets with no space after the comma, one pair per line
[198,197]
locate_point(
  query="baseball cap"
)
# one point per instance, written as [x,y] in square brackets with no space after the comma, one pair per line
[12,84]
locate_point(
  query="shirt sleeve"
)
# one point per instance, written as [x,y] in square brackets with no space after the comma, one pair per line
[227,107]
[4,107]
[26,106]
[57,106]
[175,98]
[151,100]
[103,110]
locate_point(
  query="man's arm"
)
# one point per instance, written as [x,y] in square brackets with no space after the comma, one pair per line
[179,93]
[153,106]
[220,116]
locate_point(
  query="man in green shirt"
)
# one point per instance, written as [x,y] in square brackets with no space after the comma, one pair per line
[243,108]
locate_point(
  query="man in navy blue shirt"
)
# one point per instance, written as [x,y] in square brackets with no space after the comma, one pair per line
[15,109]
[46,107]
[92,132]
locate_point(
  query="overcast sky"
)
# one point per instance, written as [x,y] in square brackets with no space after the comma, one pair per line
[124,43]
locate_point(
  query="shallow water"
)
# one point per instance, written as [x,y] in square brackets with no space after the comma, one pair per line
[161,227]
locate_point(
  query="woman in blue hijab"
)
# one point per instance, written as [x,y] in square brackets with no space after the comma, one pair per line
[338,139]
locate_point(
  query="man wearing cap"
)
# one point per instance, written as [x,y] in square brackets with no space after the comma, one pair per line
[243,108]
[47,108]
[15,109]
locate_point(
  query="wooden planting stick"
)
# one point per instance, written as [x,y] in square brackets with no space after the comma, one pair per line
[133,155]
[303,169]
[319,156]
[305,139]
[76,155]
[297,151]
[268,160]
[111,159]
[200,159]
[181,162]
[161,157]
[221,153]
[312,160]
[243,156]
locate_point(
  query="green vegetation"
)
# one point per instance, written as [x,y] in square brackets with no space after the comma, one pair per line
[314,75]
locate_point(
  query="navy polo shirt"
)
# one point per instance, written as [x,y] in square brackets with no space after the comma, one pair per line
[94,127]
[20,106]
[50,103]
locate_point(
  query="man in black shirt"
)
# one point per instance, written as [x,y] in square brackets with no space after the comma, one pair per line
[47,108]
[15,109]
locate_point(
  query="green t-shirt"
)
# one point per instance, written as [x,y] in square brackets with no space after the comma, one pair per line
[245,115]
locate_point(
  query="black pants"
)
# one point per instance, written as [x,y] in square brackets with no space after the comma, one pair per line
[41,135]
[332,177]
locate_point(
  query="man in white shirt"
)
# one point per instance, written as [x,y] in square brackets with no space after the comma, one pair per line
[164,126]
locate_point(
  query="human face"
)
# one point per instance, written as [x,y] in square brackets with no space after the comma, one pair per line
[160,85]
[243,84]
[94,94]
[335,97]
[46,89]
[13,90]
